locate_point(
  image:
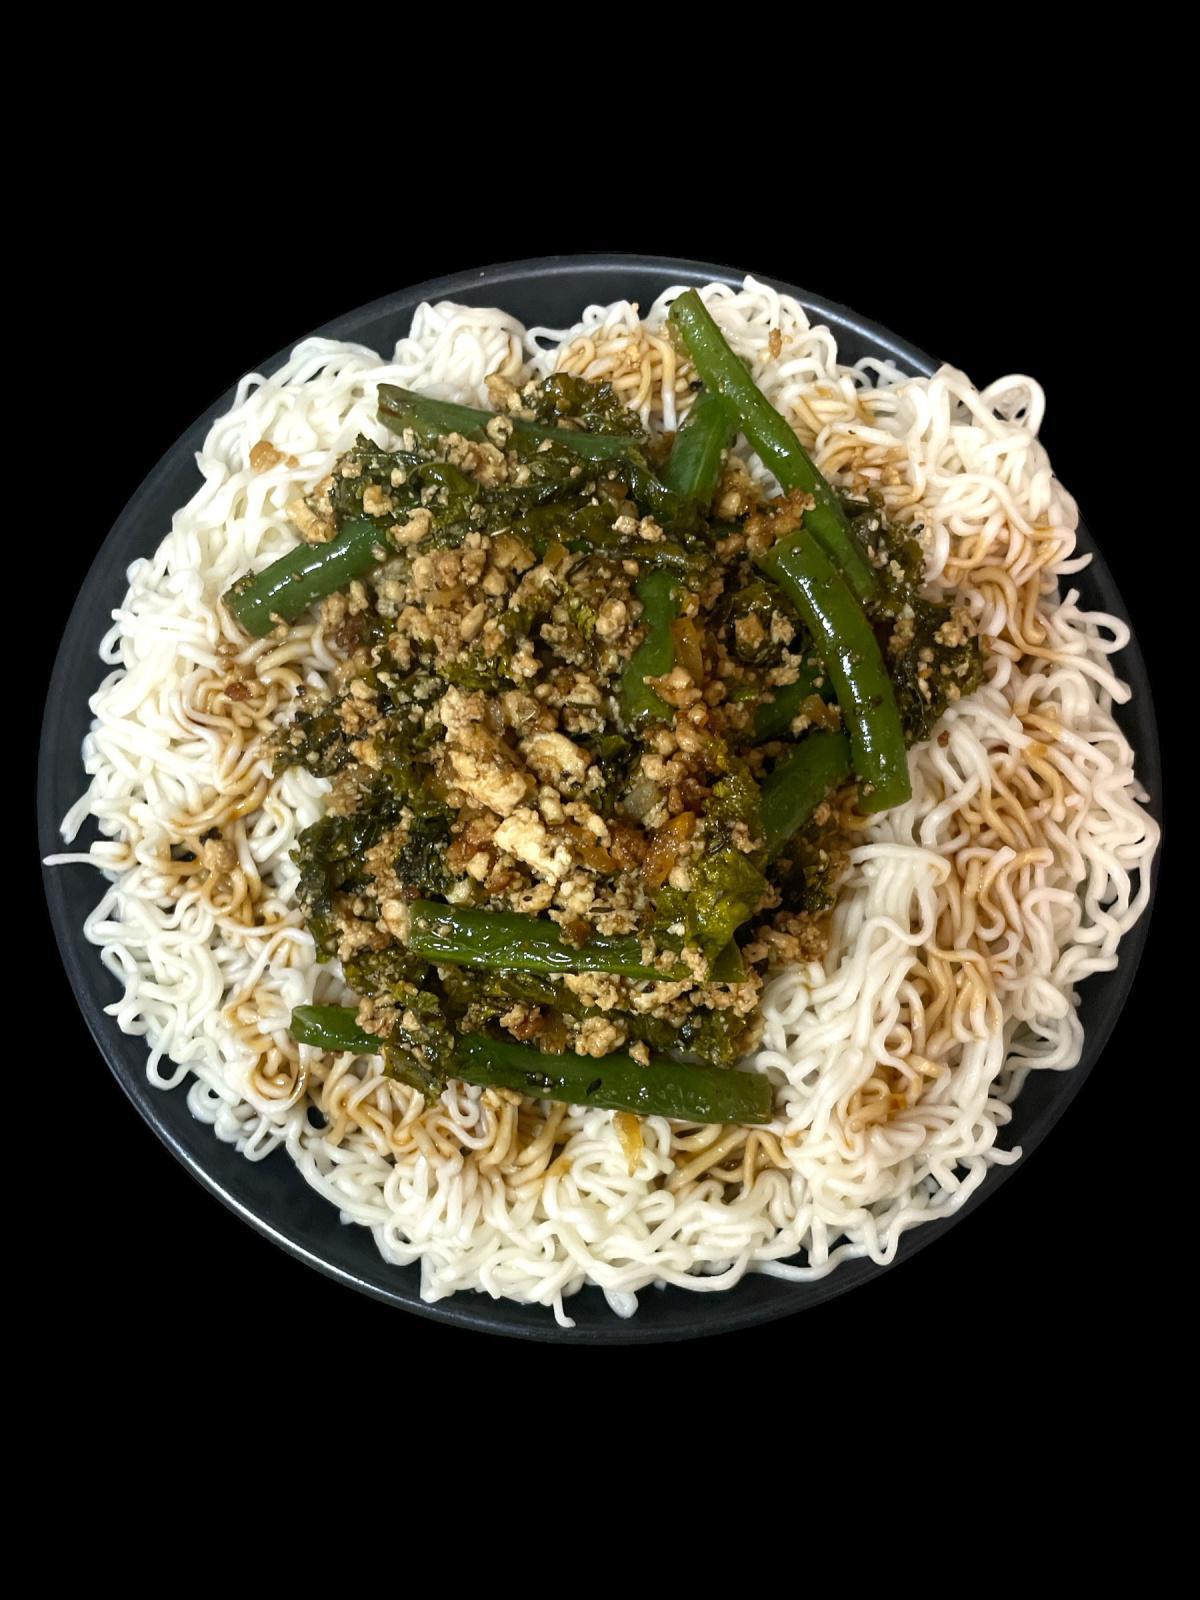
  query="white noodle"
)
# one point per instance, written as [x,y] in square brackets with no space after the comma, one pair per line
[936,901]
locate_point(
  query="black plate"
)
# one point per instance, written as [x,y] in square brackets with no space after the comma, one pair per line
[271,1195]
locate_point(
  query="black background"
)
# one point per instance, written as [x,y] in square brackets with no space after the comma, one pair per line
[196,282]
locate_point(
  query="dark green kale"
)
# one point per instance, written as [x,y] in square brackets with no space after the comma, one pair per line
[314,739]
[934,657]
[734,798]
[331,854]
[808,870]
[390,971]
[753,606]
[456,501]
[718,1037]
[928,671]
[366,466]
[398,797]
[479,667]
[727,881]
[580,614]
[933,654]
[402,480]
[594,406]
[614,755]
[421,862]
[725,893]
[420,1043]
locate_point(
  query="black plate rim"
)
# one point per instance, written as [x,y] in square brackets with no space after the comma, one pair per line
[716,1313]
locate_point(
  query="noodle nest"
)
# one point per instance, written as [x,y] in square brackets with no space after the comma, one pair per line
[965,924]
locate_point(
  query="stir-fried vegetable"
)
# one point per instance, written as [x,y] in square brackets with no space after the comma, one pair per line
[593,693]
[459,936]
[402,408]
[694,465]
[847,645]
[772,437]
[773,718]
[820,566]
[485,995]
[261,600]
[655,656]
[676,1089]
[333,1028]
[804,777]
[727,884]
[684,1091]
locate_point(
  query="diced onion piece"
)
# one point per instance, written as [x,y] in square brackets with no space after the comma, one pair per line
[629,1132]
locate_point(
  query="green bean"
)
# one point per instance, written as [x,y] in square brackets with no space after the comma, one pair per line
[686,1091]
[465,937]
[773,718]
[693,468]
[429,418]
[401,408]
[308,573]
[846,643]
[655,656]
[683,1091]
[802,779]
[773,438]
[335,1029]
[715,1037]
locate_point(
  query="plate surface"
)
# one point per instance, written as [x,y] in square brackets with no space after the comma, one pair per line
[270,1194]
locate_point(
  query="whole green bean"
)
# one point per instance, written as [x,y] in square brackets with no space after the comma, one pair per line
[702,1035]
[304,575]
[693,468]
[659,593]
[802,778]
[846,643]
[465,937]
[683,1091]
[429,418]
[773,718]
[402,408]
[772,437]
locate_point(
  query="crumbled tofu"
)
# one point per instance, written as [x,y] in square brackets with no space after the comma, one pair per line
[376,502]
[312,528]
[524,836]
[509,552]
[598,1036]
[749,632]
[397,919]
[459,710]
[414,529]
[550,805]
[219,855]
[611,619]
[556,760]
[489,780]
